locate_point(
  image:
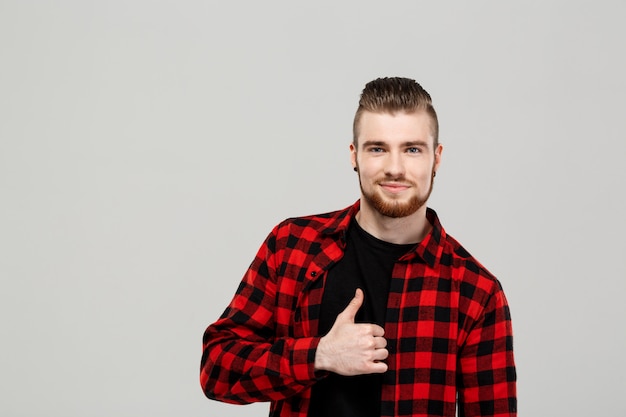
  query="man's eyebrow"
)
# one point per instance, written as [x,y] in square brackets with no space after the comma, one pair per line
[407,143]
[373,143]
[416,143]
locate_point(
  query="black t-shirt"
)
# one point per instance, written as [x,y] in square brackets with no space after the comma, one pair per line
[367,264]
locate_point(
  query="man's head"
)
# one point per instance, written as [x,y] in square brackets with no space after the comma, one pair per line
[395,148]
[393,95]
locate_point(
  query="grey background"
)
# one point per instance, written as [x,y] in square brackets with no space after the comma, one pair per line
[148,147]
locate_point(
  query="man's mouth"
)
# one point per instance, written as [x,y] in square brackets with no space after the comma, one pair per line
[394,187]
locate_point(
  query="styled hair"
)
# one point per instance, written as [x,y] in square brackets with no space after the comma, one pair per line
[393,95]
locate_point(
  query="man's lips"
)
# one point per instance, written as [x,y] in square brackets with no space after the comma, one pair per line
[394,187]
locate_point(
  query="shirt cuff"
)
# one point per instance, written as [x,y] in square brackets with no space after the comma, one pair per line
[303,359]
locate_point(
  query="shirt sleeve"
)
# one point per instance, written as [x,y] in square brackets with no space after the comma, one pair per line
[487,376]
[243,359]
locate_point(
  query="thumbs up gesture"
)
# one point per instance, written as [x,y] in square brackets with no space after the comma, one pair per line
[352,348]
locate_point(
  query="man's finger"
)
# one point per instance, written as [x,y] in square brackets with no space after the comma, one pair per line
[349,313]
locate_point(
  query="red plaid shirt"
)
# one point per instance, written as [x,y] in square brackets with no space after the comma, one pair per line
[448,327]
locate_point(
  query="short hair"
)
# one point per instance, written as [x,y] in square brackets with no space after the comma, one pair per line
[392,95]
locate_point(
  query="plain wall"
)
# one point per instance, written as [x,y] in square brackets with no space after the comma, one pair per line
[148,147]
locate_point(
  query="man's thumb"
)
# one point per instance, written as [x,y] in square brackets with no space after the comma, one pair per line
[349,313]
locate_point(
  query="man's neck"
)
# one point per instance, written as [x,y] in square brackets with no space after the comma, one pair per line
[400,230]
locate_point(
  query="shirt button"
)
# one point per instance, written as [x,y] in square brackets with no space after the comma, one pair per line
[313,273]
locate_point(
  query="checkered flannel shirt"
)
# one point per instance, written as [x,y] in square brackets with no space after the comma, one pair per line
[448,327]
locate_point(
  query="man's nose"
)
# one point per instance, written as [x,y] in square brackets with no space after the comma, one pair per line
[394,165]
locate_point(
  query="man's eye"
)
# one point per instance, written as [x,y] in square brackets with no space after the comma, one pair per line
[376,150]
[413,150]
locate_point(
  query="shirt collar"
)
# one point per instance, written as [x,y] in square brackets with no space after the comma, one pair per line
[429,249]
[339,221]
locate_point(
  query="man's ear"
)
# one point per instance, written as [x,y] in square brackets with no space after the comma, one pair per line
[353,157]
[438,152]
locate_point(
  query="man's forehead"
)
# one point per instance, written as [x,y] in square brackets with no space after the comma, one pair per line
[389,128]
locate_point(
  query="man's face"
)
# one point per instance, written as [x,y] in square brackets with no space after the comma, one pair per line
[396,161]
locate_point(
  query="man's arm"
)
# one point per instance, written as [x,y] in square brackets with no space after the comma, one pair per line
[243,360]
[487,377]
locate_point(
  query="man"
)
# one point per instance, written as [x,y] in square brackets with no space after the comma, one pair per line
[373,310]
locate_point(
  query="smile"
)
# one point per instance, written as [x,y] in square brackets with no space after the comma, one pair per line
[394,187]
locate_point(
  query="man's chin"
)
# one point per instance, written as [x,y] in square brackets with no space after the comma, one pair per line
[394,208]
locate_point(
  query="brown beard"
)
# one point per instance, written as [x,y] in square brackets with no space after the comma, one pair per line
[396,209]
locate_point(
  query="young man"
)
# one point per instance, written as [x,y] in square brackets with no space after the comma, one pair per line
[373,310]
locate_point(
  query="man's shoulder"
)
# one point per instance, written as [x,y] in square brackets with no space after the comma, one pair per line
[449,251]
[459,258]
[324,223]
[316,218]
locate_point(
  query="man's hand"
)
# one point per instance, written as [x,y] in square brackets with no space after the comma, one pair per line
[352,348]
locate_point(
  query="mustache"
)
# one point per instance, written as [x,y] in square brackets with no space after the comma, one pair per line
[400,180]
